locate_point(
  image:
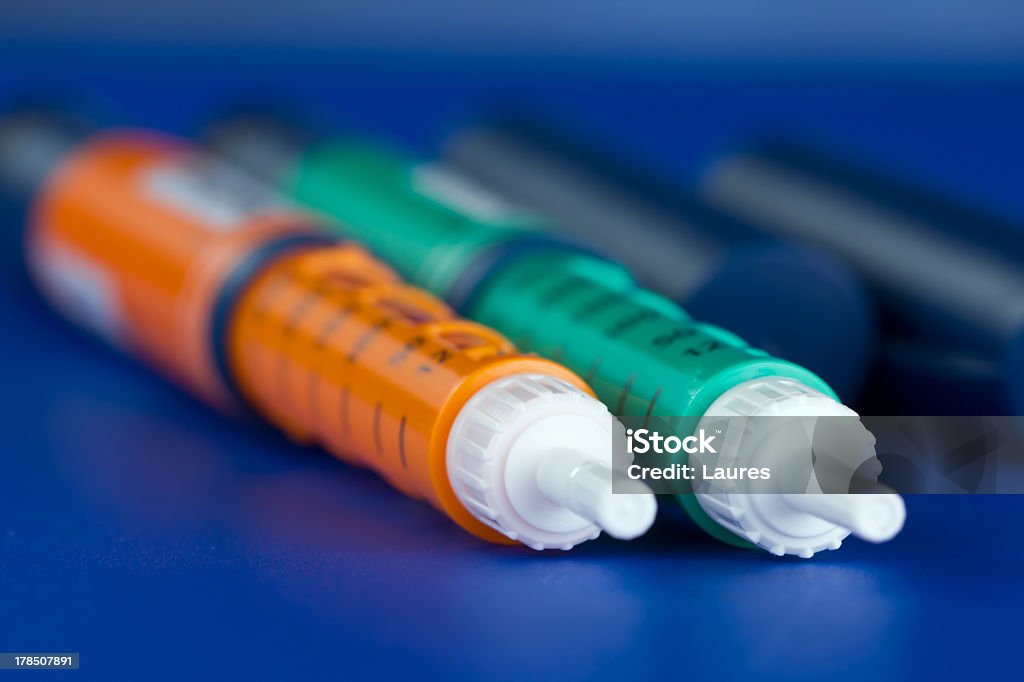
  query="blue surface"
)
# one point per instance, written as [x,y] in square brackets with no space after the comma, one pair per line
[157,538]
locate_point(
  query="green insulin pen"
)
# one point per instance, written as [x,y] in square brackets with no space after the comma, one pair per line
[641,353]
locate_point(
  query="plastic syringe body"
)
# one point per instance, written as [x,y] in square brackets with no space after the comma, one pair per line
[639,351]
[947,277]
[178,259]
[790,299]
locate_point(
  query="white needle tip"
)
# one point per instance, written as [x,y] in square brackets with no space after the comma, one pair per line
[626,515]
[620,506]
[875,517]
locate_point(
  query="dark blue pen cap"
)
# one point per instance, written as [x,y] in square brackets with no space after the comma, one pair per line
[264,140]
[798,303]
[35,134]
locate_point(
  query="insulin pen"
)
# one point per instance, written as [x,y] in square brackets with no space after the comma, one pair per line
[172,256]
[794,301]
[639,351]
[948,278]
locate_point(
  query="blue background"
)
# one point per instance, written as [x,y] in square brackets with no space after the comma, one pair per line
[160,540]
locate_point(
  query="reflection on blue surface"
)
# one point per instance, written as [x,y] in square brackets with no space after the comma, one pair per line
[156,537]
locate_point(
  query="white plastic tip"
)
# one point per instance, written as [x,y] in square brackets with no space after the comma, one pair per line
[875,517]
[620,506]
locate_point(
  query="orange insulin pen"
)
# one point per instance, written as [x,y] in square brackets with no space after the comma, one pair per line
[239,297]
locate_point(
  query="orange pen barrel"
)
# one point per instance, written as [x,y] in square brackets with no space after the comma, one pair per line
[178,259]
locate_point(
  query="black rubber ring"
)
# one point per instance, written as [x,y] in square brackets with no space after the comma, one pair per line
[470,282]
[235,285]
